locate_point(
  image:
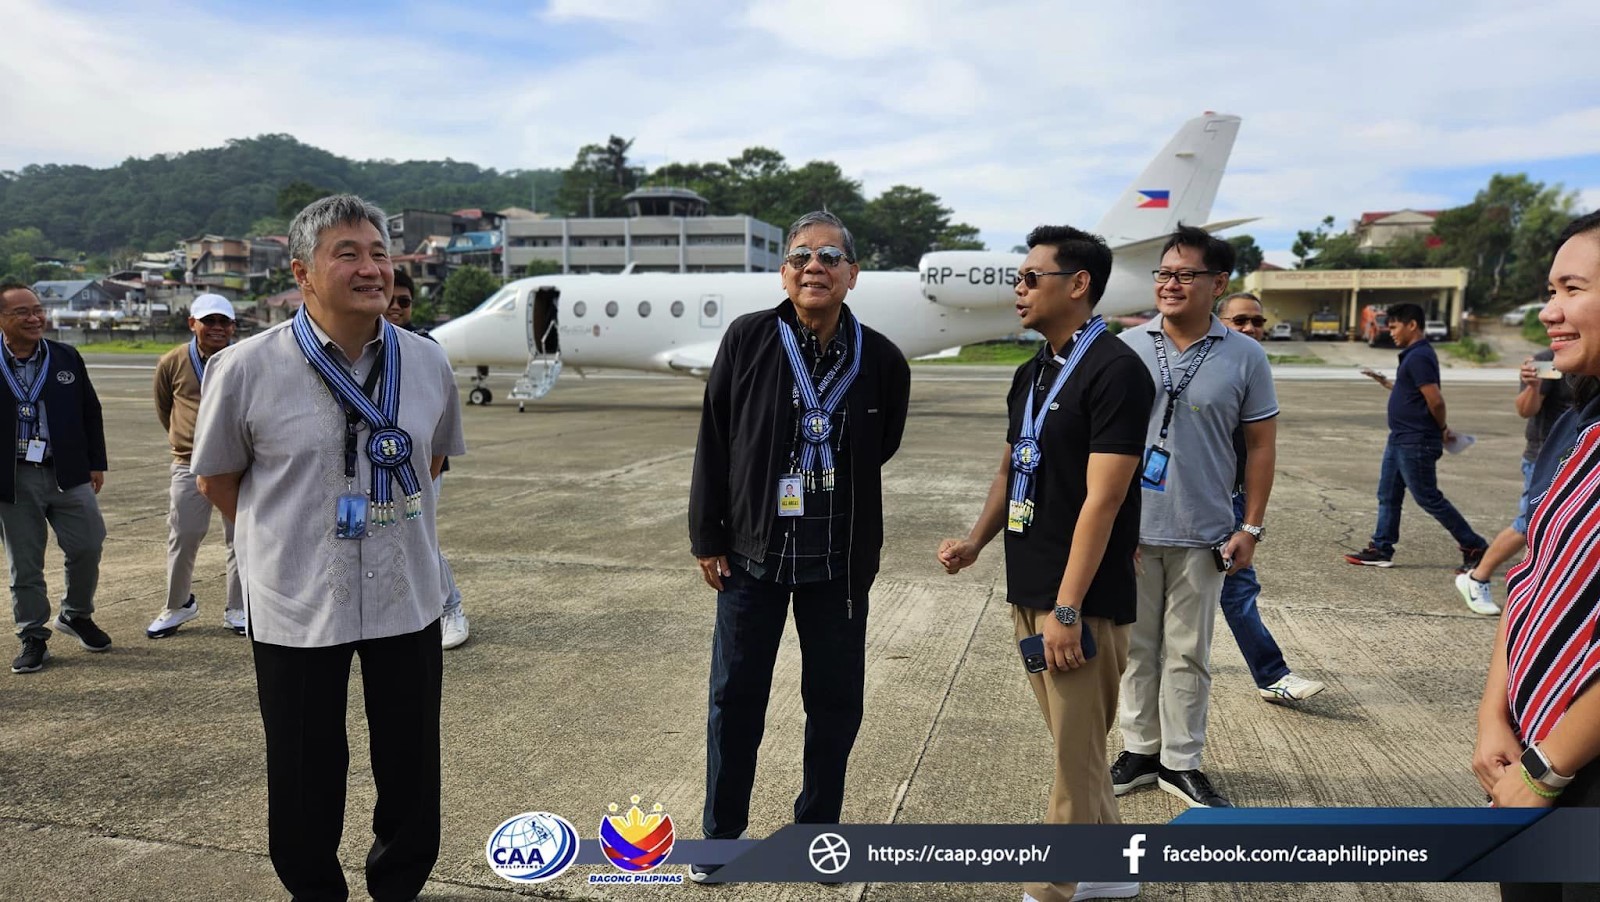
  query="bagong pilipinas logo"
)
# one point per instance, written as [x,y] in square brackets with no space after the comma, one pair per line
[532,847]
[636,843]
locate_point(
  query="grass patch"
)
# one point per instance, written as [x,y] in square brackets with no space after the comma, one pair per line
[1470,349]
[1294,358]
[1533,330]
[127,346]
[997,353]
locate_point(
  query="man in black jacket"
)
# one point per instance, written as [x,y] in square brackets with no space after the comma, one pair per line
[803,408]
[59,440]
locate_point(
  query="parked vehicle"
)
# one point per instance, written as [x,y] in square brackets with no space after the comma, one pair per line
[1518,315]
[1375,326]
[1325,324]
[1283,332]
[1434,330]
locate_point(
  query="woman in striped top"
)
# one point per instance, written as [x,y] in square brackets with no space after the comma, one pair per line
[1539,721]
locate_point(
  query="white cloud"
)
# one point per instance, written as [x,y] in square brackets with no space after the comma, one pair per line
[1589,200]
[1013,112]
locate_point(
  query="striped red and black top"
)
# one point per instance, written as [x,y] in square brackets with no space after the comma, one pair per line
[1553,606]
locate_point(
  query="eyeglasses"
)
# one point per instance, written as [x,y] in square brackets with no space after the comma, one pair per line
[402,300]
[26,313]
[828,256]
[216,321]
[1243,320]
[1031,278]
[1184,276]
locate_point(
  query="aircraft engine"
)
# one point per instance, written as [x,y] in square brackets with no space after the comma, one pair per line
[969,278]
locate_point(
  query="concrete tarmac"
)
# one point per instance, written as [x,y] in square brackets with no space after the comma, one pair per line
[139,774]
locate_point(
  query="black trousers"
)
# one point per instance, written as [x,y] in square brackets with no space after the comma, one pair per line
[1583,793]
[833,650]
[303,693]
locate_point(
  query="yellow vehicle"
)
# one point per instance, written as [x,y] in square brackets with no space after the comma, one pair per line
[1325,325]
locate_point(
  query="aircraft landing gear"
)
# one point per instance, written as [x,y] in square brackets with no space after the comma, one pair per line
[480,393]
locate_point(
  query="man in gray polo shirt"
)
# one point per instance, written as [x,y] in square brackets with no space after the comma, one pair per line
[1209,380]
[318,440]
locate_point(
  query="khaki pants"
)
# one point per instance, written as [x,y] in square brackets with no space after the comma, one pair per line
[188,521]
[1079,708]
[1166,692]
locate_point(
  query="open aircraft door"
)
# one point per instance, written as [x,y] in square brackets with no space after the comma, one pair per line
[544,347]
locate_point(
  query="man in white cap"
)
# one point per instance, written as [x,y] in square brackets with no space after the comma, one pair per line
[179,377]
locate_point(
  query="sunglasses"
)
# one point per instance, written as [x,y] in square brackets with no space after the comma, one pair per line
[1242,320]
[1031,278]
[402,301]
[828,256]
[1184,276]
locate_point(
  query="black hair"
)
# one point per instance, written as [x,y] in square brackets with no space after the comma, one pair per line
[1579,226]
[1218,255]
[1407,313]
[402,279]
[1075,250]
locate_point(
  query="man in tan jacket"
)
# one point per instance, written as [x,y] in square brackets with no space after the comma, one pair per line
[179,377]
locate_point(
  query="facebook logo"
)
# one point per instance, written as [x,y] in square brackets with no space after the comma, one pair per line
[1134,852]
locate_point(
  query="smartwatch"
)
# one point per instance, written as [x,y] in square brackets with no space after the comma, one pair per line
[1539,768]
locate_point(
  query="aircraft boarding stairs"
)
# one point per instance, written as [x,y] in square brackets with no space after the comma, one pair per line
[543,369]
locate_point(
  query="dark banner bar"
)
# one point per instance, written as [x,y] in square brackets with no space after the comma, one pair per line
[1234,845]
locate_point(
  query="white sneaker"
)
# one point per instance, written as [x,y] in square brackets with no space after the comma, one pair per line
[1479,596]
[453,628]
[168,621]
[235,620]
[1090,890]
[1292,688]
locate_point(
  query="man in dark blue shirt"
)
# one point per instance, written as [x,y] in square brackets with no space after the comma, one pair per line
[1417,433]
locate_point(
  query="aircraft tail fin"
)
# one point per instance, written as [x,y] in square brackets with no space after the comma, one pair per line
[1179,185]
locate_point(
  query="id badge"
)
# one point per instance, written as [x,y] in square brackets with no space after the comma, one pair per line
[1154,475]
[35,453]
[1017,516]
[791,495]
[350,517]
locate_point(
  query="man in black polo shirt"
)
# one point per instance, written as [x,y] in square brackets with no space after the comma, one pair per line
[1066,496]
[1417,433]
[803,408]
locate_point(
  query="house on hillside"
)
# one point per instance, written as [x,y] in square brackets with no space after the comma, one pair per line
[1383,229]
[76,294]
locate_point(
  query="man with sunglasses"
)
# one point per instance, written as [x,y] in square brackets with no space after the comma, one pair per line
[454,628]
[58,436]
[801,397]
[180,374]
[1067,496]
[1274,680]
[1210,381]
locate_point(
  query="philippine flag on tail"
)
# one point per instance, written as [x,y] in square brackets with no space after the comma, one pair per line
[1155,200]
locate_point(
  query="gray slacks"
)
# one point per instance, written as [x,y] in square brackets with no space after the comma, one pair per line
[80,533]
[188,521]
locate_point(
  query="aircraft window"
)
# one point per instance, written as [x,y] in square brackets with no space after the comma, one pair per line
[494,300]
[711,309]
[579,309]
[677,308]
[611,308]
[644,308]
[510,304]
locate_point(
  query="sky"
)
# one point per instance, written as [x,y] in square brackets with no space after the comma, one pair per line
[1014,113]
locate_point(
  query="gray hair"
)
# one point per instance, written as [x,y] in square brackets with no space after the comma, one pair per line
[822,218]
[324,214]
[1223,304]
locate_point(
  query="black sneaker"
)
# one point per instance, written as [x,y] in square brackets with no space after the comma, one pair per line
[1371,557]
[34,654]
[1470,558]
[702,873]
[91,637]
[1132,770]
[1193,787]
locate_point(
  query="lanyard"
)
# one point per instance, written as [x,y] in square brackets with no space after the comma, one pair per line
[196,361]
[1166,377]
[1026,453]
[816,417]
[389,447]
[27,398]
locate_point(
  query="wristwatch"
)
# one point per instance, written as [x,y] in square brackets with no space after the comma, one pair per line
[1539,768]
[1066,614]
[1256,532]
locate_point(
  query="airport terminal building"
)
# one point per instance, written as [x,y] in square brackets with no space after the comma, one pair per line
[667,230]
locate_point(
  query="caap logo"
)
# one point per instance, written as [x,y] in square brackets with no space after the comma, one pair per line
[532,847]
[636,841]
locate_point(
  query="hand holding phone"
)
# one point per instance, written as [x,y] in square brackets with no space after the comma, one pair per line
[1223,562]
[1032,648]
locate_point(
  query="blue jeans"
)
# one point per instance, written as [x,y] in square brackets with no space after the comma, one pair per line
[1525,503]
[1239,592]
[833,661]
[1415,467]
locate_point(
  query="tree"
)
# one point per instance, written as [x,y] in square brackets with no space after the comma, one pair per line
[961,237]
[597,180]
[297,195]
[1247,254]
[901,225]
[1505,238]
[466,288]
[1306,243]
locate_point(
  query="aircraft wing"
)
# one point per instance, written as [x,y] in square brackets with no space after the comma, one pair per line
[694,360]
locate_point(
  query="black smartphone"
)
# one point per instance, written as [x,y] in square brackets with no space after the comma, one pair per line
[1032,648]
[1223,561]
[1088,641]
